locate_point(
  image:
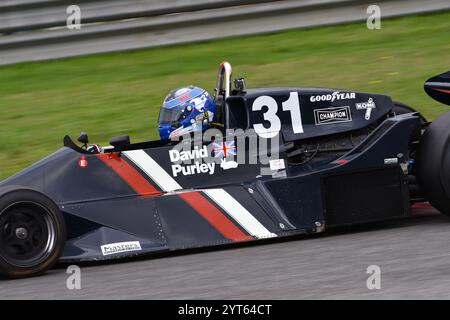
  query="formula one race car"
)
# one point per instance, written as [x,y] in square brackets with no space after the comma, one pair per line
[332,158]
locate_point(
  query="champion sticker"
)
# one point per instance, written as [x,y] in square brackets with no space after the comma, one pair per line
[332,115]
[119,247]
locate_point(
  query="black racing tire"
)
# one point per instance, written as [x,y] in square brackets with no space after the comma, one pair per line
[32,232]
[401,108]
[433,163]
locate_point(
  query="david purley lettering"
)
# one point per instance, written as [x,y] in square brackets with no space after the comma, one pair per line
[197,167]
[197,153]
[187,170]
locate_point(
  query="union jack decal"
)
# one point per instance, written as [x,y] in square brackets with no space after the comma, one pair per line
[224,149]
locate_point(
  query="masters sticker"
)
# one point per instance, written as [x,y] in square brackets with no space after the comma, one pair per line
[120,247]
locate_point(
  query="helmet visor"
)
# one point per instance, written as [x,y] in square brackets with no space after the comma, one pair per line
[167,116]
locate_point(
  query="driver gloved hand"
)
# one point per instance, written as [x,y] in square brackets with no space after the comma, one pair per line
[94,148]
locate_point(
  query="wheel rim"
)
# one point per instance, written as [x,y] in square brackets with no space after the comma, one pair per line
[27,234]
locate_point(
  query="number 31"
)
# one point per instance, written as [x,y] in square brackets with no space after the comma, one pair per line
[292,105]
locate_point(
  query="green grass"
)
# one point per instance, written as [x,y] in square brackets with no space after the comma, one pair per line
[113,94]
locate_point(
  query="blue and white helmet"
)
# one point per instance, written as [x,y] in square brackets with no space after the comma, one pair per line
[185,110]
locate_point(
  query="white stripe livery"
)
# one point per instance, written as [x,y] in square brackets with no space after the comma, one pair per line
[153,170]
[239,213]
[223,199]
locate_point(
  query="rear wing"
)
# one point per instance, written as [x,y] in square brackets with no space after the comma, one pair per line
[438,88]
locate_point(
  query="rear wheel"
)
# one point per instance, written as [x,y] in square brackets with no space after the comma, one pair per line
[32,232]
[401,108]
[433,163]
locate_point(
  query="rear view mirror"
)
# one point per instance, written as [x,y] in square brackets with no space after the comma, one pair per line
[120,142]
[83,138]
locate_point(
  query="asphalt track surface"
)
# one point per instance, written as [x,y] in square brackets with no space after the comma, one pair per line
[413,255]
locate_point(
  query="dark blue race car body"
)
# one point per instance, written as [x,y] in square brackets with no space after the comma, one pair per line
[101,206]
[350,162]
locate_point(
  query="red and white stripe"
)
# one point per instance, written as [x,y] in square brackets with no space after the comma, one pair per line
[130,175]
[241,215]
[214,216]
[147,164]
[195,199]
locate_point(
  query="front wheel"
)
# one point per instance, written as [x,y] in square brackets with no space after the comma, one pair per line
[32,232]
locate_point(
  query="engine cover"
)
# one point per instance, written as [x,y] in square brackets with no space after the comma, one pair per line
[302,113]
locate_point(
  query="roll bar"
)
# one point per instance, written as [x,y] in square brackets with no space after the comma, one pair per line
[223,87]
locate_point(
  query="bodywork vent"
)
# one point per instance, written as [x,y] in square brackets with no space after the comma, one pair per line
[365,196]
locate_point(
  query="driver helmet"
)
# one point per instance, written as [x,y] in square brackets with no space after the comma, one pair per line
[185,110]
